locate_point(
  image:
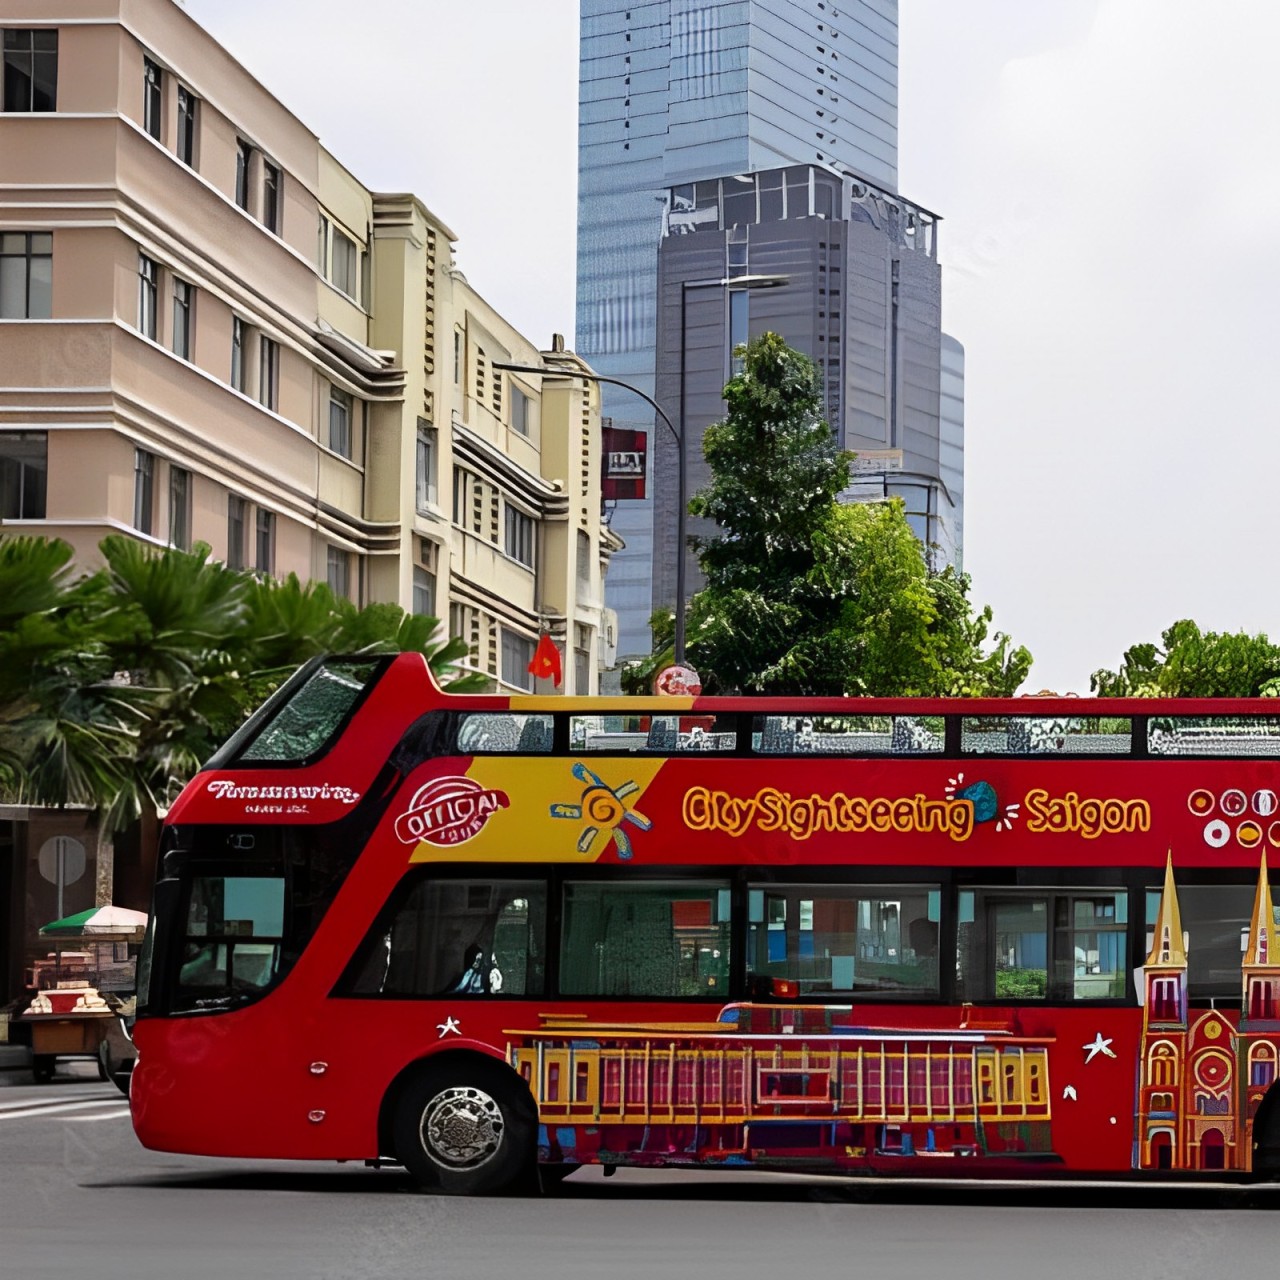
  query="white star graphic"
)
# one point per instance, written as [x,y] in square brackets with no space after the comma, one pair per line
[1098,1046]
[451,1025]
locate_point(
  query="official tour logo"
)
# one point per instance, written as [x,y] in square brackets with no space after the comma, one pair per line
[449,811]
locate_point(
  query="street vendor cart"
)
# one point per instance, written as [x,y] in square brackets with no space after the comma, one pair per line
[80,988]
[70,1021]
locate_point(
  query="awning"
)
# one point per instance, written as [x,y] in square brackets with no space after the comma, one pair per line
[105,921]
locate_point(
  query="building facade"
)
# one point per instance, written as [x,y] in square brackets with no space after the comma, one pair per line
[211,331]
[845,272]
[677,91]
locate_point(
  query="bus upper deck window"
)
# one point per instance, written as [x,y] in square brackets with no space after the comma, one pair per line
[501,732]
[305,723]
[834,735]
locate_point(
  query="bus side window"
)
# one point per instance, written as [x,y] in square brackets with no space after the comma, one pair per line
[455,937]
[1037,944]
[877,940]
[645,939]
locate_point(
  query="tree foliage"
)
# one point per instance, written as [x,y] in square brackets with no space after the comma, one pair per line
[115,685]
[1189,663]
[804,594]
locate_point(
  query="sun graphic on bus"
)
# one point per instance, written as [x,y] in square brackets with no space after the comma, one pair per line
[605,809]
[986,804]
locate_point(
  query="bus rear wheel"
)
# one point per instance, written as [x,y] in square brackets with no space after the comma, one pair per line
[464,1129]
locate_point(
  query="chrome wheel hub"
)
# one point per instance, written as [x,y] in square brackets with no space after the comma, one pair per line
[462,1128]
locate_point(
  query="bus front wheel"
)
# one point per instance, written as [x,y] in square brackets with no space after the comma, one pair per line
[465,1129]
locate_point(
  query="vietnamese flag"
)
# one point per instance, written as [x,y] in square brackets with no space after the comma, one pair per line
[546,661]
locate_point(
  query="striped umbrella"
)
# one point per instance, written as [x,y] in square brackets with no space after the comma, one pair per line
[103,921]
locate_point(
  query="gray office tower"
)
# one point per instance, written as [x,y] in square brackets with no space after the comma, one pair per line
[750,147]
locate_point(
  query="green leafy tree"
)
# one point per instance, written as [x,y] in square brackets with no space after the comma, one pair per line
[806,595]
[1189,663]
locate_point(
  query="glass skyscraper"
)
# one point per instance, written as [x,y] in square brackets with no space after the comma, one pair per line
[677,91]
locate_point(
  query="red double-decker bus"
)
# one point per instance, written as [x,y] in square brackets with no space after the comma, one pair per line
[479,935]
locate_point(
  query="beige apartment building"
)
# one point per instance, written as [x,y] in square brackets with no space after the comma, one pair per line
[211,331]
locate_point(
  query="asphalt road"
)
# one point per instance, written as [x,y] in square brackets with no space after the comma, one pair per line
[80,1198]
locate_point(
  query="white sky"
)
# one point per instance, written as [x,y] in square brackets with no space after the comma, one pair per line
[1108,172]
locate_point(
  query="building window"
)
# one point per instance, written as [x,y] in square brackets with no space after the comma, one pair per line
[345,263]
[340,405]
[271,184]
[459,495]
[517,653]
[457,357]
[152,97]
[264,551]
[148,278]
[30,70]
[26,275]
[24,474]
[268,373]
[583,566]
[338,256]
[235,531]
[339,573]
[239,378]
[424,591]
[183,297]
[187,126]
[425,475]
[470,502]
[244,157]
[581,659]
[519,411]
[180,507]
[144,493]
[519,536]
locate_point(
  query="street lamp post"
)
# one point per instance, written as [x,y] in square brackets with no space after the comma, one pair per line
[565,375]
[679,436]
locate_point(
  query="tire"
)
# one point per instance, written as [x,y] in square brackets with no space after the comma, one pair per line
[122,1076]
[466,1128]
[42,1066]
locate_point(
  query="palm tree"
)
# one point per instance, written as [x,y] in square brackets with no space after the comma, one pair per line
[116,686]
[61,725]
